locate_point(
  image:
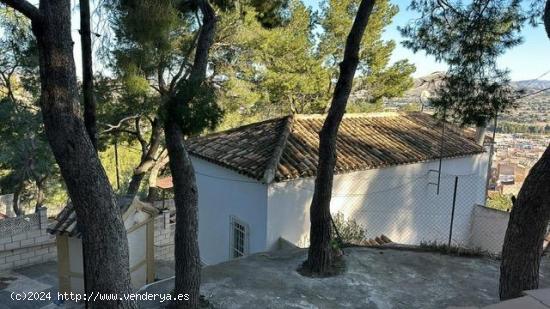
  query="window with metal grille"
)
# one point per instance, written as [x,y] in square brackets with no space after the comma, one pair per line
[239,238]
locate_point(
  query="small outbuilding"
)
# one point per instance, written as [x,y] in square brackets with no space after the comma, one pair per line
[139,218]
[256,182]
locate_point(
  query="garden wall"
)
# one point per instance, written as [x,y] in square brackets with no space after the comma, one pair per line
[24,241]
[164,237]
[488,228]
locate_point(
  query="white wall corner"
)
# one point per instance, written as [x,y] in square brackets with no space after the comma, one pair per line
[43,217]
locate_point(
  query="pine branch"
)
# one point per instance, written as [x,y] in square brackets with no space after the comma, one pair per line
[25,8]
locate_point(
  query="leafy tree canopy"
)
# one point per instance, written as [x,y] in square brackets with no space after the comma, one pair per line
[296,65]
[292,78]
[26,160]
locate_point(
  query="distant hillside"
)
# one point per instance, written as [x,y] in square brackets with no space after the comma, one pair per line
[532,111]
[531,84]
[426,85]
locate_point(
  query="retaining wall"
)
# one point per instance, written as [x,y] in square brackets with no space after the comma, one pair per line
[24,241]
[488,228]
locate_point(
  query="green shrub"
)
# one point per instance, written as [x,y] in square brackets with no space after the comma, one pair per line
[500,201]
[349,230]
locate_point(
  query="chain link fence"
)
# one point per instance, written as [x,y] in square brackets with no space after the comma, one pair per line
[426,208]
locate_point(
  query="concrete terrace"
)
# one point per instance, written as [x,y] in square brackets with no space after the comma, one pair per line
[43,278]
[374,278]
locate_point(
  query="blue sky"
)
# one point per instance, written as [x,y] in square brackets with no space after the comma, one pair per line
[527,61]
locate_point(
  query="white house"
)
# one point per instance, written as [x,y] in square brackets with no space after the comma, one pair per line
[256,182]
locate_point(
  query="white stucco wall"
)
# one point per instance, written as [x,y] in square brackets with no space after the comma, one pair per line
[136,251]
[223,194]
[396,201]
[75,265]
[489,228]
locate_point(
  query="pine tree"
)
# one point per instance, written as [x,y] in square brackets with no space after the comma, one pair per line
[376,76]
[320,258]
[529,219]
[469,37]
[107,263]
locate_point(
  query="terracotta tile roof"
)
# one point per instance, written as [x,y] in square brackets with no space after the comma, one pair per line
[65,222]
[165,183]
[287,148]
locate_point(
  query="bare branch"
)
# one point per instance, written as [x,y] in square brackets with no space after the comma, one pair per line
[445,4]
[25,8]
[184,62]
[204,41]
[140,138]
[119,124]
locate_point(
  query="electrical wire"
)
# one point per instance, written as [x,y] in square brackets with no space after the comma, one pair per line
[372,192]
[530,83]
[536,79]
[532,94]
[227,178]
[385,190]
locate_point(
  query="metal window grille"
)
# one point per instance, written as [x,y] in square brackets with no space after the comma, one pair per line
[239,238]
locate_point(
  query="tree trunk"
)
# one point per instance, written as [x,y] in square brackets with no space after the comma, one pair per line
[39,193]
[546,18]
[148,161]
[107,266]
[16,195]
[183,176]
[529,218]
[154,191]
[87,72]
[319,261]
[135,182]
[187,255]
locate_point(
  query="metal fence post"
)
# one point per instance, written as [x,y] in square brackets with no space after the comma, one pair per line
[453,213]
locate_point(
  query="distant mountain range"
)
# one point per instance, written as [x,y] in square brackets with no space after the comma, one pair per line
[532,110]
[429,83]
[532,84]
[434,79]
